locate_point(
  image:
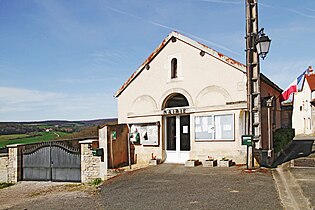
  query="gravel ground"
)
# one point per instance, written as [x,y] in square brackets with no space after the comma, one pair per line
[166,186]
[48,195]
[171,186]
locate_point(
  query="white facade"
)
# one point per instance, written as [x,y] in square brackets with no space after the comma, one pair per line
[212,122]
[302,117]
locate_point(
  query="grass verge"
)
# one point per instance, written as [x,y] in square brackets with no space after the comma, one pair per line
[5,184]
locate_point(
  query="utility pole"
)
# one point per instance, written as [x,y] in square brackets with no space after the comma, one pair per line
[253,75]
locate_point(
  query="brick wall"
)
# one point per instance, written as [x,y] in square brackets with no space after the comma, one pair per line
[270,121]
[275,115]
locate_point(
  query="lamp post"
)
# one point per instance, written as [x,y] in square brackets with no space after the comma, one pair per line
[262,44]
[257,44]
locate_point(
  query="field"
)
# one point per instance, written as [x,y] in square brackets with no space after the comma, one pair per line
[34,132]
[26,138]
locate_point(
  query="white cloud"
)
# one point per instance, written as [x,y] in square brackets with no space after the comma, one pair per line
[235,2]
[113,57]
[300,13]
[19,104]
[91,79]
[60,22]
[11,109]
[9,95]
[176,29]
[222,1]
[283,73]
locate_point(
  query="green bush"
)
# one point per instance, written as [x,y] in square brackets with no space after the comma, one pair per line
[5,184]
[282,137]
[96,181]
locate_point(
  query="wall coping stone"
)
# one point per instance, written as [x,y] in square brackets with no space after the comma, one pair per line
[88,141]
[4,154]
[13,145]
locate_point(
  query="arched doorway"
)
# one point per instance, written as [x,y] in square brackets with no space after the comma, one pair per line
[177,127]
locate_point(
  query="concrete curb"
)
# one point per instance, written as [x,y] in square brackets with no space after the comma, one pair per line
[290,192]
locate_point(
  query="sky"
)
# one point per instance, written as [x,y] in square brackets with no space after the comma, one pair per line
[65,59]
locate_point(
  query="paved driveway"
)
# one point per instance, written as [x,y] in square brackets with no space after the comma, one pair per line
[171,186]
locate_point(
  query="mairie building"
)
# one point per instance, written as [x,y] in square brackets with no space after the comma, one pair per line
[188,101]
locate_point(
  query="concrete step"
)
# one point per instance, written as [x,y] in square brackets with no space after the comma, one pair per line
[304,162]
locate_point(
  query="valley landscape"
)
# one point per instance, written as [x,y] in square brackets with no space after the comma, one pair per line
[34,132]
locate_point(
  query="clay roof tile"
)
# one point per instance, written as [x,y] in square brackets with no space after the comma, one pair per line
[311,81]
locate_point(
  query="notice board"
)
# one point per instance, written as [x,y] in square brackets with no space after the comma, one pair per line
[149,133]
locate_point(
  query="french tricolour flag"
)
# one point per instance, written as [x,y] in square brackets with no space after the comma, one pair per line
[293,87]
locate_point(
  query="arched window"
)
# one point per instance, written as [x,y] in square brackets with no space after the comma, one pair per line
[176,100]
[173,68]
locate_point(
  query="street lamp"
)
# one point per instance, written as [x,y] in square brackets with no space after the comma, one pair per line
[257,44]
[262,44]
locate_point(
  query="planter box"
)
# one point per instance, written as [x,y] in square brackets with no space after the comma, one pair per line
[210,163]
[225,163]
[191,163]
[154,162]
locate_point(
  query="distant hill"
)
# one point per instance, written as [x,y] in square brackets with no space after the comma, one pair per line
[62,122]
[99,121]
[49,130]
[56,125]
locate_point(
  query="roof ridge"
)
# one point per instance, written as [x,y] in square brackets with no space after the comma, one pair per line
[239,66]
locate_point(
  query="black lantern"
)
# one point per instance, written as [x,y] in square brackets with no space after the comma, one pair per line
[262,44]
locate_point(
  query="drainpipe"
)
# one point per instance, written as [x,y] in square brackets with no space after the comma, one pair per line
[111,152]
[128,144]
[311,117]
[269,120]
[269,130]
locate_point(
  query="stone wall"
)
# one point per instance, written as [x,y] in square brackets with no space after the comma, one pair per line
[10,165]
[4,162]
[13,164]
[90,165]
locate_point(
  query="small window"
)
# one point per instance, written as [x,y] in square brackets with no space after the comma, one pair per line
[174,68]
[301,108]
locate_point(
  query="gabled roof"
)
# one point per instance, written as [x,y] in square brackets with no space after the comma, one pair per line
[311,81]
[239,66]
[188,41]
[271,83]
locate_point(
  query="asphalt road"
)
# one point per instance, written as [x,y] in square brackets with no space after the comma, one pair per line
[171,186]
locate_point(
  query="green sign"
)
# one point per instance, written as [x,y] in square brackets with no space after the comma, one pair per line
[247,140]
[98,152]
[113,135]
